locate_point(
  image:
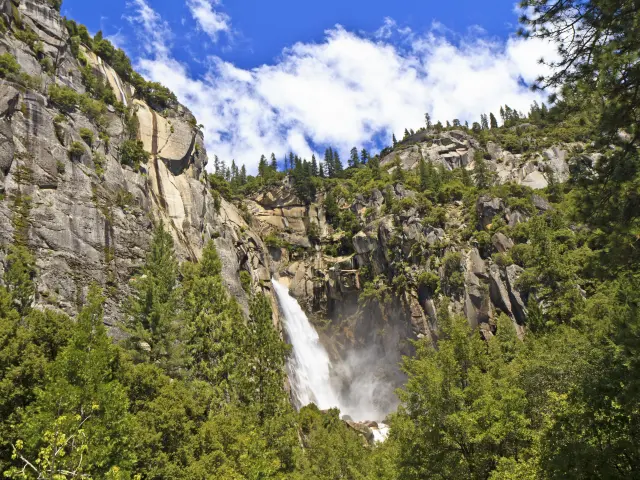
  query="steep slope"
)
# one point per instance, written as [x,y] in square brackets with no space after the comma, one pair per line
[90,214]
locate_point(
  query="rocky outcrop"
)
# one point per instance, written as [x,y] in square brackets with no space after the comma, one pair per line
[457,149]
[91,218]
[486,209]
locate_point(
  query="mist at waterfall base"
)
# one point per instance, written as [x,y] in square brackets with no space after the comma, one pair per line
[356,384]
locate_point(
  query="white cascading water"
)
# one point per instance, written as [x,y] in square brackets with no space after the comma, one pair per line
[309,365]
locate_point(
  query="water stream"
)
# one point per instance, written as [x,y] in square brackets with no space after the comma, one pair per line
[309,366]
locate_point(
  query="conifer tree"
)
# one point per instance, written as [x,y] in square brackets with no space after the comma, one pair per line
[353,159]
[484,122]
[314,165]
[484,177]
[494,122]
[364,156]
[329,164]
[427,121]
[274,163]
[262,166]
[337,164]
[395,142]
[152,309]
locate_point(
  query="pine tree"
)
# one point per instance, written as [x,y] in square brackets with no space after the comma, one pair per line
[262,167]
[266,354]
[243,175]
[398,172]
[484,122]
[328,162]
[321,170]
[292,161]
[152,309]
[314,166]
[494,122]
[274,163]
[484,177]
[337,164]
[406,134]
[234,170]
[353,159]
[83,401]
[364,156]
[427,121]
[395,142]
[20,276]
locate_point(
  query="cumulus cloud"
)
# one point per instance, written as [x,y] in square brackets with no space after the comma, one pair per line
[348,89]
[155,33]
[208,19]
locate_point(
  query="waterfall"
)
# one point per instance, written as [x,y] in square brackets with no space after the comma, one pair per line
[310,369]
[309,365]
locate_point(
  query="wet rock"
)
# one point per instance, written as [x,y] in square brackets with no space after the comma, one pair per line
[362,429]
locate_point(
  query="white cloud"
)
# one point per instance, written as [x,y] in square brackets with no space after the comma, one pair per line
[156,34]
[209,20]
[349,88]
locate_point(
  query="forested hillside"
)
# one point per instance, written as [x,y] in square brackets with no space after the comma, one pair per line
[495,262]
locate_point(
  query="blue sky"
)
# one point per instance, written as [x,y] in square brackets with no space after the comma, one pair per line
[294,75]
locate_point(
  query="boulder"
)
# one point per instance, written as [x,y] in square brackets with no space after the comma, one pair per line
[363,243]
[475,264]
[540,203]
[498,290]
[477,303]
[487,208]
[377,199]
[516,217]
[518,303]
[501,242]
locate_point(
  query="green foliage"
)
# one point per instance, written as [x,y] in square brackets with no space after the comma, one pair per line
[153,307]
[19,277]
[453,279]
[99,163]
[76,151]
[9,66]
[245,280]
[86,135]
[430,281]
[133,154]
[64,98]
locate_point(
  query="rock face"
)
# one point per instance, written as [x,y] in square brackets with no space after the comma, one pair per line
[91,218]
[456,149]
